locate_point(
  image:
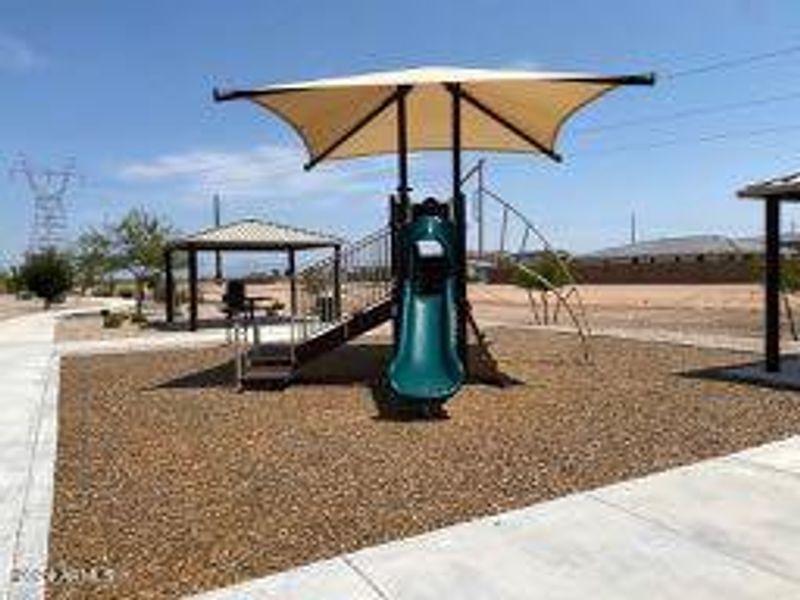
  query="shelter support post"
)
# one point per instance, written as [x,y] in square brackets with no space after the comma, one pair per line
[480,208]
[396,262]
[337,283]
[399,210]
[169,286]
[772,277]
[459,217]
[218,253]
[218,266]
[193,297]
[292,283]
[402,146]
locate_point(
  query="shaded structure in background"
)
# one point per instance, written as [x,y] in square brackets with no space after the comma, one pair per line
[241,236]
[773,192]
[680,260]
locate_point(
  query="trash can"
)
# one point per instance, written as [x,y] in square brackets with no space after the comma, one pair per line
[325,309]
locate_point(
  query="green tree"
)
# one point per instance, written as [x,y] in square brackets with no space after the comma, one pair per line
[94,259]
[139,240]
[47,274]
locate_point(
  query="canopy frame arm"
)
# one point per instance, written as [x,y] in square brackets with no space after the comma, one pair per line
[402,141]
[399,92]
[639,79]
[497,117]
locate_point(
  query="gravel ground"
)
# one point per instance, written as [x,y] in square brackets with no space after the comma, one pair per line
[178,484]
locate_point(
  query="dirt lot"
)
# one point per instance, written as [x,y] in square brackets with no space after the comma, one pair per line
[177,484]
[11,306]
[734,310]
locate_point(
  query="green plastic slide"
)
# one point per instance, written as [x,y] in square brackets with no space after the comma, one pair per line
[426,367]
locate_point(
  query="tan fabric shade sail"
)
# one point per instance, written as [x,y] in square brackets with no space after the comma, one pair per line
[509,111]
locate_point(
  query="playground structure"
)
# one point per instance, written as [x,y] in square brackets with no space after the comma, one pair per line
[357,279]
[514,248]
[434,109]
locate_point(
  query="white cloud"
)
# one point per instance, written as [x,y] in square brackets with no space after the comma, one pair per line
[17,55]
[523,64]
[266,171]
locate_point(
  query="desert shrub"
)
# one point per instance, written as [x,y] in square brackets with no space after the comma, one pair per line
[543,275]
[47,274]
[111,319]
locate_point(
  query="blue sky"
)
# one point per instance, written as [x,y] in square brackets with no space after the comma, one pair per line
[125,89]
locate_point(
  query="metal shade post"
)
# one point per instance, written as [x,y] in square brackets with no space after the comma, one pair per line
[459,217]
[193,289]
[169,286]
[772,282]
[399,209]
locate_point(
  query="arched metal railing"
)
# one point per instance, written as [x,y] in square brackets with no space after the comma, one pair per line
[520,249]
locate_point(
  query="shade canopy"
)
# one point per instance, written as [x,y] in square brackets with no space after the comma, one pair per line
[786,187]
[253,234]
[509,111]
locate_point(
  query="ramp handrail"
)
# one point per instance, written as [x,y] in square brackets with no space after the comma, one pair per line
[332,290]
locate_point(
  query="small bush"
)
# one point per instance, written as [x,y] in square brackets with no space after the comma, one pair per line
[112,320]
[138,319]
[47,274]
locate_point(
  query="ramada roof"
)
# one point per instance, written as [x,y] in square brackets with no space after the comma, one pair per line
[254,234]
[786,187]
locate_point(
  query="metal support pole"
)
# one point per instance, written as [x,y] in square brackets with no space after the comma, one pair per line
[399,209]
[394,229]
[218,253]
[480,208]
[337,283]
[461,226]
[772,282]
[193,289]
[402,149]
[292,283]
[169,286]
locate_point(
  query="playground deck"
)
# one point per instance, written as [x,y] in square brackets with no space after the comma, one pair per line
[180,485]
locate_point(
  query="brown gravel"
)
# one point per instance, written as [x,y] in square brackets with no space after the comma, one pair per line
[179,485]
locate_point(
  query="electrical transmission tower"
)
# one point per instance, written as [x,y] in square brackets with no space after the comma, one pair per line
[49,187]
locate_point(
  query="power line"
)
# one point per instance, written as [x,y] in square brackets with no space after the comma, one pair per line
[691,112]
[713,137]
[732,63]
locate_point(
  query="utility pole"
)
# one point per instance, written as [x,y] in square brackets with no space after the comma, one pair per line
[480,208]
[633,227]
[218,253]
[48,187]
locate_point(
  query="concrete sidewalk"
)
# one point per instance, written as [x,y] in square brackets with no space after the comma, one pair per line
[28,404]
[726,528]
